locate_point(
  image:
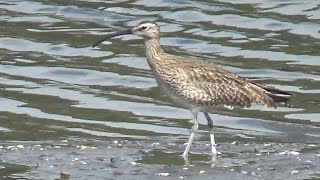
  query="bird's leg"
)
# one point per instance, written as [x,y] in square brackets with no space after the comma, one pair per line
[186,160]
[193,133]
[212,140]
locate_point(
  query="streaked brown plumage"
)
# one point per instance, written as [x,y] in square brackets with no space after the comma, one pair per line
[198,85]
[206,85]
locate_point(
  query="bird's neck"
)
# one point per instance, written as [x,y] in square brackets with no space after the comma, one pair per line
[153,51]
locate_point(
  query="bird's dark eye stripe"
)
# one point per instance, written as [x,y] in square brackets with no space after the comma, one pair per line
[144,27]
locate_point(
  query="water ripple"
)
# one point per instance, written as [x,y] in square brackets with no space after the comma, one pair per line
[54,86]
[78,76]
[15,44]
[227,51]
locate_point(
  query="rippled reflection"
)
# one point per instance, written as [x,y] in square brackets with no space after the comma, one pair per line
[54,86]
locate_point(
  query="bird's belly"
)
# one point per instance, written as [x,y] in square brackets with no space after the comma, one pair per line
[191,105]
[185,102]
[175,97]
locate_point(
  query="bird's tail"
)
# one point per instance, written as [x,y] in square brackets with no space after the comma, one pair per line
[275,94]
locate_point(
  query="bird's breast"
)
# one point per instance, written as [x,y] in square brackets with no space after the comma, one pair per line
[176,97]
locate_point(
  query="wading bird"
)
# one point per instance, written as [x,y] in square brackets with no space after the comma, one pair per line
[198,85]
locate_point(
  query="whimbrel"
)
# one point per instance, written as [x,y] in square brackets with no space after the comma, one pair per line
[198,85]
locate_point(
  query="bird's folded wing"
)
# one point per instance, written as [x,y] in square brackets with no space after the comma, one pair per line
[210,85]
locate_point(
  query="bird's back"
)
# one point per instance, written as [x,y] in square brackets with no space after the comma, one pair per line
[202,84]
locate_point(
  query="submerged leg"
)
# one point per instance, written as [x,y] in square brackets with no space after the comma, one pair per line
[193,133]
[212,140]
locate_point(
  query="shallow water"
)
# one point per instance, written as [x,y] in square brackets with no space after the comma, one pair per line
[97,113]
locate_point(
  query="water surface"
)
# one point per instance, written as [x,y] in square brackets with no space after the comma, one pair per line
[97,113]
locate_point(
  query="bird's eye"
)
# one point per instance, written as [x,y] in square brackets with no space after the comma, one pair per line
[144,28]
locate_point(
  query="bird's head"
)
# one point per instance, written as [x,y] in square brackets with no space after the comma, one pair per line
[146,29]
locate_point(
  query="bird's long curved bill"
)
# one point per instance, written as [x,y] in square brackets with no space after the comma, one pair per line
[119,33]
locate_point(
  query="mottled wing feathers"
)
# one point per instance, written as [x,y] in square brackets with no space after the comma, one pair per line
[206,84]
